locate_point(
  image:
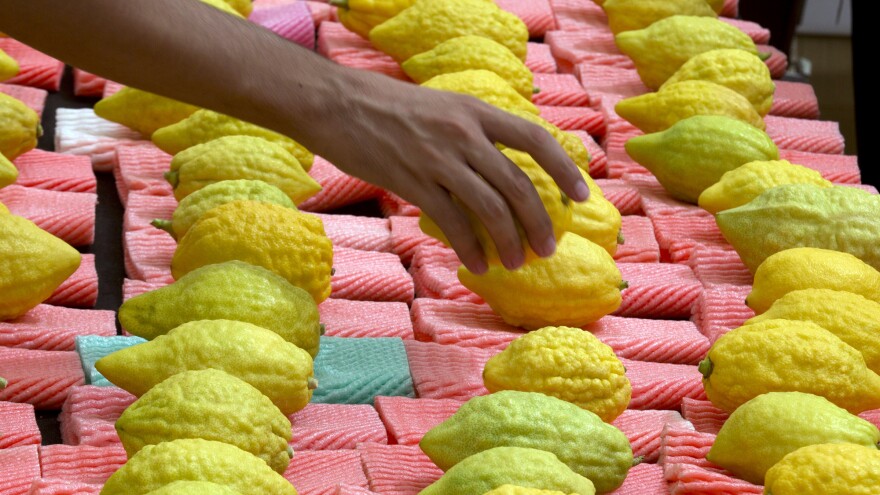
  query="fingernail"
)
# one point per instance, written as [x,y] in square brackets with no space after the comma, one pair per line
[478,267]
[547,248]
[582,192]
[515,261]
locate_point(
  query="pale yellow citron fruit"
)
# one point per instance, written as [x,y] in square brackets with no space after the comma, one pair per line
[655,112]
[787,356]
[576,286]
[804,215]
[285,241]
[280,370]
[192,207]
[206,125]
[597,219]
[240,157]
[556,203]
[593,449]
[194,488]
[242,7]
[225,6]
[767,428]
[19,127]
[695,153]
[735,69]
[568,363]
[142,111]
[8,172]
[489,469]
[33,263]
[209,404]
[573,146]
[8,66]
[521,490]
[3,209]
[627,15]
[194,459]
[661,48]
[361,16]
[484,85]
[850,316]
[826,469]
[745,183]
[811,268]
[717,5]
[470,53]
[430,22]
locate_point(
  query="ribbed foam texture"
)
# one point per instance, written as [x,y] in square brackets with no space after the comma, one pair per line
[369,276]
[662,386]
[141,168]
[644,479]
[19,467]
[78,131]
[317,472]
[339,188]
[599,81]
[292,22]
[346,48]
[643,429]
[18,425]
[69,216]
[536,14]
[815,136]
[407,420]
[41,378]
[640,245]
[80,290]
[575,119]
[794,99]
[445,371]
[55,172]
[33,98]
[344,318]
[54,328]
[88,84]
[91,348]
[407,236]
[397,469]
[539,59]
[36,69]
[142,208]
[336,427]
[461,323]
[148,254]
[661,341]
[355,371]
[658,290]
[841,169]
[720,309]
[363,233]
[560,90]
[705,417]
[83,463]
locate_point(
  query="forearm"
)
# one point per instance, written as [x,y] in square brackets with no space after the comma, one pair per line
[188,51]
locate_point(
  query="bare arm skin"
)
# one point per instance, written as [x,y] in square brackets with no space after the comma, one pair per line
[425,145]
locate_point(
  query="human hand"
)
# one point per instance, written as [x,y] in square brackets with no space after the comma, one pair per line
[430,146]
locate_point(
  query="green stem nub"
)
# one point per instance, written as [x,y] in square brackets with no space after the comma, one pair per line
[535,90]
[322,330]
[289,451]
[342,4]
[173,178]
[313,383]
[764,56]
[3,383]
[623,285]
[621,240]
[706,368]
[162,224]
[638,460]
[39,131]
[332,271]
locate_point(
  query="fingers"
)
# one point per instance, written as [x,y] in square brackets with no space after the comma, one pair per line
[490,206]
[452,220]
[520,195]
[519,134]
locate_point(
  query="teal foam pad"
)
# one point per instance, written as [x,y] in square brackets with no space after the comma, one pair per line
[93,347]
[356,370]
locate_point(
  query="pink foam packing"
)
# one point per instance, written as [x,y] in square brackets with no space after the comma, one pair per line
[577,15]
[794,99]
[872,417]
[83,463]
[662,341]
[640,245]
[370,276]
[346,489]
[719,266]
[447,372]
[679,236]
[33,98]
[407,236]
[346,48]
[777,62]
[55,172]
[292,22]
[720,309]
[54,328]
[105,403]
[317,472]
[87,84]
[89,430]
[80,290]
[18,425]
[539,59]
[461,323]
[69,216]
[625,197]
[142,208]
[36,69]
[131,287]
[393,205]
[598,160]
[561,90]
[19,467]
[339,188]
[344,318]
[600,81]
[142,168]
[111,88]
[643,429]
[575,119]
[705,417]
[81,132]
[45,486]
[661,385]
[840,169]
[440,281]
[364,233]
[407,420]
[41,378]
[658,290]
[336,427]
[536,14]
[815,136]
[755,31]
[147,255]
[644,479]
[398,469]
